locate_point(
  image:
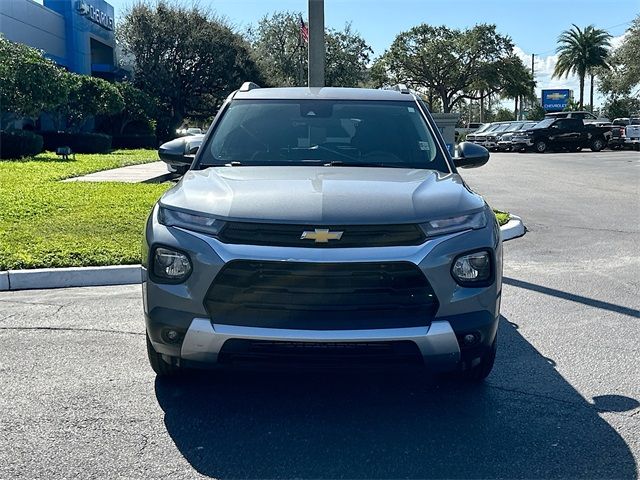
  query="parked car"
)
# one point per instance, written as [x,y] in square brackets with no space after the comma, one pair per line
[568,133]
[587,117]
[504,142]
[179,153]
[466,129]
[625,133]
[326,224]
[489,137]
[471,136]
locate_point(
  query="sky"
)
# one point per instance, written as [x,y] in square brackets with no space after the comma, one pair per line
[533,25]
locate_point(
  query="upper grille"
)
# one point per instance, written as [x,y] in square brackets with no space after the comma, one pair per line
[321,296]
[284,235]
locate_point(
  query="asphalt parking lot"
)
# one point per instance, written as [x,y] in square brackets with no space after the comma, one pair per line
[77,398]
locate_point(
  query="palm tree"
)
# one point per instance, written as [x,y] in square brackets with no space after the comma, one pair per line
[516,82]
[580,53]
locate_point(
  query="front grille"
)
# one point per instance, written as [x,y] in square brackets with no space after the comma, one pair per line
[284,235]
[341,354]
[321,296]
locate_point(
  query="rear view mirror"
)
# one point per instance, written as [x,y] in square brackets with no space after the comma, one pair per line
[470,155]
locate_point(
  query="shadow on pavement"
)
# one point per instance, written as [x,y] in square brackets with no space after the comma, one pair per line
[393,425]
[572,297]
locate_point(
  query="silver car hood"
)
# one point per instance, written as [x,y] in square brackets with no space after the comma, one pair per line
[322,195]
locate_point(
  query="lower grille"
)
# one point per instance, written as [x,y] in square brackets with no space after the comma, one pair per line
[237,351]
[321,296]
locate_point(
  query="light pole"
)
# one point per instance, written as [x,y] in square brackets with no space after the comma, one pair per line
[316,43]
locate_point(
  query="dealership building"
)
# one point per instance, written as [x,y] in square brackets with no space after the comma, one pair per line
[76,34]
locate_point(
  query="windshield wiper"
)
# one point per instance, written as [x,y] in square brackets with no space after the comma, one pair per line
[233,164]
[339,163]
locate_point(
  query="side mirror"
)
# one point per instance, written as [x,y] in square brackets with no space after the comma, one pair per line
[470,155]
[181,150]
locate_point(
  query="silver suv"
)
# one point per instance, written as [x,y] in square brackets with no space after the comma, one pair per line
[325,226]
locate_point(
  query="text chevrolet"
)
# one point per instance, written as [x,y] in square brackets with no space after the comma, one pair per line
[325,226]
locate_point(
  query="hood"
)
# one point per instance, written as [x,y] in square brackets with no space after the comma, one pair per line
[322,195]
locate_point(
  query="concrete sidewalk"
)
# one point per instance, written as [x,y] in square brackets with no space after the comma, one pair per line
[145,173]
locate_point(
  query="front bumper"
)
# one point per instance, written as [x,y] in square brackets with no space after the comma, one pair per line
[461,310]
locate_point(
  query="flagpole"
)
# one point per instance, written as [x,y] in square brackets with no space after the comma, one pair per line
[316,43]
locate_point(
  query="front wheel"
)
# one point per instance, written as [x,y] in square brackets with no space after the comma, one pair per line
[540,146]
[597,144]
[179,170]
[162,368]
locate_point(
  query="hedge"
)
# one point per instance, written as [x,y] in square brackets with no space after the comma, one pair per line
[19,143]
[79,142]
[134,141]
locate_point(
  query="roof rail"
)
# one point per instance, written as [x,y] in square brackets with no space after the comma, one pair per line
[400,87]
[246,86]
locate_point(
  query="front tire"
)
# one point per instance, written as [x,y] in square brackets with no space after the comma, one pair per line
[540,146]
[178,170]
[597,144]
[162,368]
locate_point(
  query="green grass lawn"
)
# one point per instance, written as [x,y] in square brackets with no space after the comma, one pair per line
[503,217]
[48,223]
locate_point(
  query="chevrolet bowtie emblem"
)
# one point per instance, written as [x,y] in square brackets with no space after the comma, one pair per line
[556,96]
[321,235]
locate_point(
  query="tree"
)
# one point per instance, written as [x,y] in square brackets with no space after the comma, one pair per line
[90,96]
[536,112]
[187,59]
[347,58]
[452,64]
[29,82]
[581,52]
[504,115]
[624,75]
[279,49]
[282,54]
[518,83]
[139,108]
[623,106]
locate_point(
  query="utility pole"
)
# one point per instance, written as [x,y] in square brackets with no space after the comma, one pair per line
[316,43]
[533,72]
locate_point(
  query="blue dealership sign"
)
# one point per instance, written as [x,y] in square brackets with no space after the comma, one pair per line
[556,100]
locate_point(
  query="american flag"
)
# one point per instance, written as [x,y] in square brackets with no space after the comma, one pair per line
[304,30]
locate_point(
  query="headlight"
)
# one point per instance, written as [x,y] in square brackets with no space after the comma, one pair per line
[190,221]
[472,269]
[170,265]
[471,221]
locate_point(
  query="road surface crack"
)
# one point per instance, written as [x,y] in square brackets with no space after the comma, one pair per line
[73,329]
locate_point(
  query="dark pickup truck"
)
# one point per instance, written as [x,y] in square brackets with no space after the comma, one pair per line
[562,133]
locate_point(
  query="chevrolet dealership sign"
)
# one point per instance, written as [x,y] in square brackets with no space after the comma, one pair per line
[556,100]
[94,14]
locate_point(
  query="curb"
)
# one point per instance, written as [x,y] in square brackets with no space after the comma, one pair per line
[131,274]
[70,277]
[514,228]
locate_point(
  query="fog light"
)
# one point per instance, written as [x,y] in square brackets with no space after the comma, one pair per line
[469,339]
[171,336]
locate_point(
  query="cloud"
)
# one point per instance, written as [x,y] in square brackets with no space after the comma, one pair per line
[544,66]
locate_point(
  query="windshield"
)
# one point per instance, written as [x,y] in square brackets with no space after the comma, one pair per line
[323,132]
[545,123]
[483,128]
[501,128]
[514,127]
